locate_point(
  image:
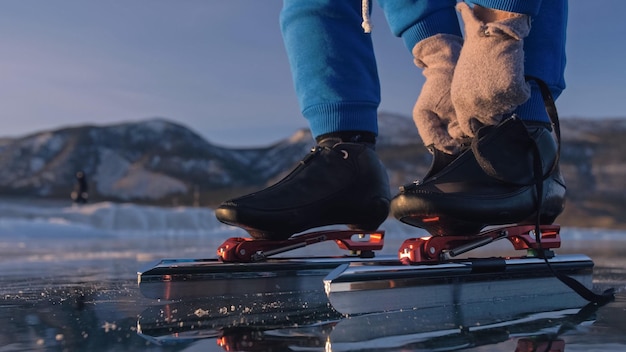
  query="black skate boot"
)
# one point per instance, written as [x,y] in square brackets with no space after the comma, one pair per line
[509,175]
[440,160]
[337,183]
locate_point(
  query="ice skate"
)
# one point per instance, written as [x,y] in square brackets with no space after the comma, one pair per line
[494,182]
[337,183]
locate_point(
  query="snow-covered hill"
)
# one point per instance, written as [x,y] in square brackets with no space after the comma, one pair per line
[125,161]
[147,160]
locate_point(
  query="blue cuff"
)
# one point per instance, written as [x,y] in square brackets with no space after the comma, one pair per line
[343,116]
[443,21]
[526,7]
[534,108]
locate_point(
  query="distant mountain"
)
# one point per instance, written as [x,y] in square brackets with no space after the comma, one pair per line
[148,160]
[157,161]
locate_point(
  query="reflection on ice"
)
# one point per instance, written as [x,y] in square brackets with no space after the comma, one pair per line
[442,328]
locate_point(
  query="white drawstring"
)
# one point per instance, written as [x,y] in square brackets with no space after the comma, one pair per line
[365,14]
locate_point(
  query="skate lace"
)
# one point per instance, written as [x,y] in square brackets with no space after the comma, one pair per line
[575,285]
[315,151]
[312,154]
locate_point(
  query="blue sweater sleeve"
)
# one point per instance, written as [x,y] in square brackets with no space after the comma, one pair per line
[332,63]
[415,20]
[527,7]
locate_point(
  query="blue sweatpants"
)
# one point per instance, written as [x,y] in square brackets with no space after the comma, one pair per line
[334,68]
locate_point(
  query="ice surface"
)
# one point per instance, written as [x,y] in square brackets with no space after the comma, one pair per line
[44,231]
[70,271]
[59,219]
[108,216]
[38,232]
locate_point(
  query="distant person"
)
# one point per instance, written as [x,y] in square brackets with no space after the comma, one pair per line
[494,156]
[80,194]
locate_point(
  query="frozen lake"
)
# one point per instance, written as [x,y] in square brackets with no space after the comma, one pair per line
[68,283]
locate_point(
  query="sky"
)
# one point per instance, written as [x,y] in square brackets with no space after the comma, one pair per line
[219,67]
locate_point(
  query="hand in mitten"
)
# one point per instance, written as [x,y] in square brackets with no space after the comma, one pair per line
[433,113]
[489,76]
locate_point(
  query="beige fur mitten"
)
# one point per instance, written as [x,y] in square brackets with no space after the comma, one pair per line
[433,113]
[489,77]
